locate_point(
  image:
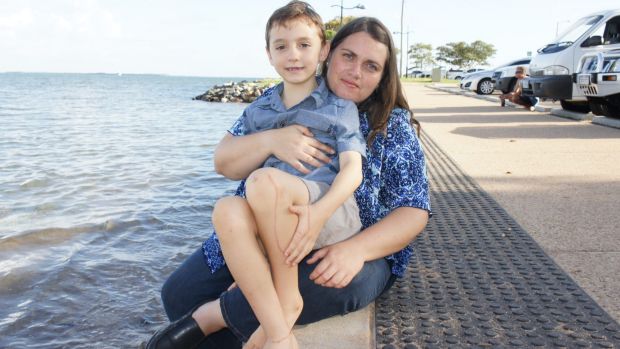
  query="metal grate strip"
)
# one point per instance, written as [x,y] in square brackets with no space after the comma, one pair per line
[478,280]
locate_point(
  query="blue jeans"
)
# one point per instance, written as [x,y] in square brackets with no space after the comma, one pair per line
[193,284]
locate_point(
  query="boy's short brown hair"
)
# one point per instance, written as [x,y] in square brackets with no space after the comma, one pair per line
[295,10]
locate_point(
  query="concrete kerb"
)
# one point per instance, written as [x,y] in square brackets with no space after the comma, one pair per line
[601,120]
[595,119]
[355,330]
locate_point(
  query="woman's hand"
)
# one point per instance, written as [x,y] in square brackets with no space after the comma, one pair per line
[311,221]
[297,146]
[338,266]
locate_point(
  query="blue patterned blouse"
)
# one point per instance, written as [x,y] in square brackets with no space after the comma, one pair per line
[394,176]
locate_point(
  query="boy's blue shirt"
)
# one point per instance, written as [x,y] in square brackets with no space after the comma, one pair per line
[333,121]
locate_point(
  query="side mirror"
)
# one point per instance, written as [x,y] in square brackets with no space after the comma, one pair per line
[592,41]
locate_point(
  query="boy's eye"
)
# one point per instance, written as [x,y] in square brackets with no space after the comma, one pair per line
[305,44]
[280,47]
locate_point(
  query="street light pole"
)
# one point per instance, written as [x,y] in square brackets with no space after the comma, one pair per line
[406,51]
[342,8]
[402,11]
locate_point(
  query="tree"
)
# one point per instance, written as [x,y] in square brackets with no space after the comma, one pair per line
[421,54]
[461,54]
[334,24]
[331,27]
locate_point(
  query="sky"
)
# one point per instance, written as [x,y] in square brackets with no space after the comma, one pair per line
[226,38]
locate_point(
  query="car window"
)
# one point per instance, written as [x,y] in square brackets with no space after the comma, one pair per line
[611,34]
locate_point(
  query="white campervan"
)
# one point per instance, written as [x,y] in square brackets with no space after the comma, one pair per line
[552,68]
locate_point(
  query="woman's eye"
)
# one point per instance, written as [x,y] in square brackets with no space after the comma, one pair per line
[280,47]
[348,56]
[373,67]
[305,45]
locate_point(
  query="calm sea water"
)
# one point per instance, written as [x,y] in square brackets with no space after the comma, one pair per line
[106,185]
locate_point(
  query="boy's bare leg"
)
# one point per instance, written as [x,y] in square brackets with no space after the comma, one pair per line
[248,264]
[270,193]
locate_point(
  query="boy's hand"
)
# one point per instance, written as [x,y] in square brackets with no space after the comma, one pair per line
[311,221]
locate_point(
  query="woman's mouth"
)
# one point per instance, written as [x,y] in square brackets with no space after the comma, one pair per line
[349,84]
[294,69]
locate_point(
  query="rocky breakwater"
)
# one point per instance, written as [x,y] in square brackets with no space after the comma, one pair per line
[235,92]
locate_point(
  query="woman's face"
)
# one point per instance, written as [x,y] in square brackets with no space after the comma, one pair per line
[356,66]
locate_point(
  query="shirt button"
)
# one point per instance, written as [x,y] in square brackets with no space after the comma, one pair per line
[282,124]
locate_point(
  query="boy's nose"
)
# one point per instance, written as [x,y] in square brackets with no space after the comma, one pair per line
[294,54]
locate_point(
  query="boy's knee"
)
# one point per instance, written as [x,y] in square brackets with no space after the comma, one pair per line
[227,217]
[262,185]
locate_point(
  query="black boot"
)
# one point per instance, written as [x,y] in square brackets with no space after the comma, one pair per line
[181,334]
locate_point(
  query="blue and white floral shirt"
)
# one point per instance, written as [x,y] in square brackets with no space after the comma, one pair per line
[394,176]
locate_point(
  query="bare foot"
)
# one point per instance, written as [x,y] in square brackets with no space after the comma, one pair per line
[258,339]
[290,342]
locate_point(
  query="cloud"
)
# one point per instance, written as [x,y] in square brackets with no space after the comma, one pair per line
[13,23]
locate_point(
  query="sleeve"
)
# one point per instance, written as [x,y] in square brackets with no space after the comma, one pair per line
[405,183]
[242,126]
[348,136]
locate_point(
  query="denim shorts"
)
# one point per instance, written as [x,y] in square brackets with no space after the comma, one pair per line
[344,222]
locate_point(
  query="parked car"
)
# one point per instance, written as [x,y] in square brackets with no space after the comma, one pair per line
[551,70]
[482,81]
[504,77]
[598,78]
[416,73]
[455,74]
[473,70]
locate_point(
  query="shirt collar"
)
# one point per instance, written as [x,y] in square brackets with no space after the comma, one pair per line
[319,96]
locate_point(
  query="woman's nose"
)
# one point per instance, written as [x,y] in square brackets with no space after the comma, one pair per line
[356,71]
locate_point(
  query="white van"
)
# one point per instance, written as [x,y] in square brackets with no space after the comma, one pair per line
[551,70]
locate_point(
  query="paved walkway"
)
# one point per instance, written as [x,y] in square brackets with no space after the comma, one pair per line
[558,178]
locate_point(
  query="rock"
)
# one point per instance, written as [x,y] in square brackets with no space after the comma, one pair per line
[235,92]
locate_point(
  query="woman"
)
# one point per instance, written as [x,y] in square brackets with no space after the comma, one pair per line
[393,202]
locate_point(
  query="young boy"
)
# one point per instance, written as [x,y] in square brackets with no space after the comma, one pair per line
[290,210]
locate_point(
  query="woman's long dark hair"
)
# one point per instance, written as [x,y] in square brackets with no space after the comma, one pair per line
[389,92]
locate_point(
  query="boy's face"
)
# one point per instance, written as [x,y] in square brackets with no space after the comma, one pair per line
[295,50]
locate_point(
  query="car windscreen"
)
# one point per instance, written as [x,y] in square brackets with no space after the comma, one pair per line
[570,35]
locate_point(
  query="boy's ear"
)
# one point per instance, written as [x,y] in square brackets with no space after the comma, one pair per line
[324,52]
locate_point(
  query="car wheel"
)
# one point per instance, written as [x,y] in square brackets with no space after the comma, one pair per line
[598,106]
[613,106]
[579,107]
[485,87]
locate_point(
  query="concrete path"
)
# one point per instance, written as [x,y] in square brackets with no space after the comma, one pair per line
[558,178]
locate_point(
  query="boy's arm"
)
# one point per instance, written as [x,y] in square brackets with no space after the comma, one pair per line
[346,181]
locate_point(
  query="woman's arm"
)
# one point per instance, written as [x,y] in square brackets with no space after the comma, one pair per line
[342,261]
[237,156]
